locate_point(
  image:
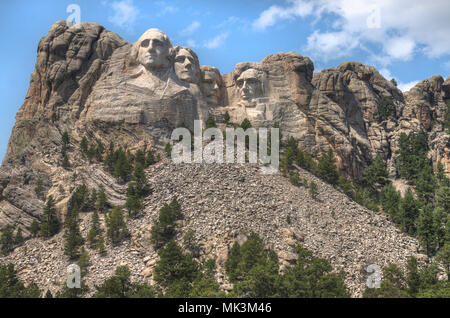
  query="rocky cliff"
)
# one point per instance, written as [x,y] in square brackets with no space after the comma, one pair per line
[90,82]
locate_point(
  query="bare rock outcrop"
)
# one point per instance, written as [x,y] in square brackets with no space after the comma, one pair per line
[89,82]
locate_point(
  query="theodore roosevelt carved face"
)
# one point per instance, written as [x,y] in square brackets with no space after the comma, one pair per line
[211,84]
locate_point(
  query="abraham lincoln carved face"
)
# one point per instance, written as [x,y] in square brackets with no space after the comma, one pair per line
[249,85]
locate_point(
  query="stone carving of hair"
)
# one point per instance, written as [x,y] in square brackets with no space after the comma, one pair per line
[132,60]
[177,49]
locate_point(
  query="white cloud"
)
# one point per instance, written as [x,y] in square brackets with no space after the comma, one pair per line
[125,13]
[334,44]
[191,43]
[400,48]
[386,73]
[401,86]
[401,28]
[269,17]
[217,41]
[165,8]
[404,87]
[190,28]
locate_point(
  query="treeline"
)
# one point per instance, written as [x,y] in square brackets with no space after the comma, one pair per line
[417,282]
[253,269]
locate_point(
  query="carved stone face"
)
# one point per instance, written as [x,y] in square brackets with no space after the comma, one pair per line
[154,47]
[249,85]
[186,67]
[211,86]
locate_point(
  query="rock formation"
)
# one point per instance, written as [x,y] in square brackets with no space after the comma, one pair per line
[89,82]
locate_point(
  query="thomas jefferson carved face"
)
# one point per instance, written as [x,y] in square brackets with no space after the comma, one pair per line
[154,49]
[211,85]
[186,65]
[249,85]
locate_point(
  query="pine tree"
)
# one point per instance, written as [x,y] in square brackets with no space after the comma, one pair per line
[50,224]
[413,277]
[386,108]
[313,190]
[226,118]
[444,258]
[409,211]
[439,219]
[140,158]
[294,178]
[134,201]
[211,123]
[101,203]
[18,240]
[7,240]
[246,124]
[34,228]
[150,159]
[174,268]
[426,230]
[440,172]
[72,235]
[425,183]
[122,166]
[110,158]
[84,145]
[190,243]
[327,168]
[120,286]
[101,244]
[443,197]
[91,153]
[12,287]
[232,262]
[163,229]
[168,150]
[39,188]
[92,199]
[141,180]
[99,150]
[116,227]
[390,201]
[65,138]
[65,162]
[95,230]
[83,262]
[376,173]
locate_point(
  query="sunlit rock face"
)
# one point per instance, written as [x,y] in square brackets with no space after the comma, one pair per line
[89,82]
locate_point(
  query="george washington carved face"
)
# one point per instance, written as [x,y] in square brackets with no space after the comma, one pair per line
[249,85]
[154,49]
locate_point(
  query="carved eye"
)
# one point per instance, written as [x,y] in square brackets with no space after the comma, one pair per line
[145,43]
[157,43]
[179,59]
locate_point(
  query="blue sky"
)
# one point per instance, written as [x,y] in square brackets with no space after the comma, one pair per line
[405,39]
